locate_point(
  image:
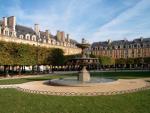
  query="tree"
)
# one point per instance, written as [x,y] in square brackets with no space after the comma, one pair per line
[130,61]
[147,60]
[92,56]
[121,61]
[68,57]
[56,57]
[105,60]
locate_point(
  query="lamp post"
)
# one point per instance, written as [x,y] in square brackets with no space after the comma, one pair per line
[142,60]
[37,55]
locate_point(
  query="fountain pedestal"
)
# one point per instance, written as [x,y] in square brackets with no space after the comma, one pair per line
[84,75]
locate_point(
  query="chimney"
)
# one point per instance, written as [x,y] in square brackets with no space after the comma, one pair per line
[47,34]
[109,41]
[63,36]
[58,35]
[4,21]
[12,22]
[68,40]
[141,39]
[36,28]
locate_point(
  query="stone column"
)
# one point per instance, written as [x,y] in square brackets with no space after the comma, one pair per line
[84,75]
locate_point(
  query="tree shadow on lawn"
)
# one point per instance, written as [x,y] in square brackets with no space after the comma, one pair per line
[121,75]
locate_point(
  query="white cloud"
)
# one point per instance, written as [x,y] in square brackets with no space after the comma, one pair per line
[49,18]
[68,14]
[124,24]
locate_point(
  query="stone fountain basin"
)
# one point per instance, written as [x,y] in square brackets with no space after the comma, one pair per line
[72,81]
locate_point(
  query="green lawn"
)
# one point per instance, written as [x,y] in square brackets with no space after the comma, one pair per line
[13,101]
[23,80]
[125,75]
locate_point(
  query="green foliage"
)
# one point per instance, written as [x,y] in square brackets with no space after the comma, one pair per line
[120,61]
[133,60]
[24,54]
[147,60]
[130,61]
[16,54]
[68,57]
[105,60]
[138,60]
[43,55]
[56,57]
[92,56]
[5,55]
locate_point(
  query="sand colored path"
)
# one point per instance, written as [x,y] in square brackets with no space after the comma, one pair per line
[117,87]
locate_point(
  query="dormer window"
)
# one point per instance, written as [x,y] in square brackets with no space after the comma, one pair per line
[124,46]
[27,37]
[21,36]
[135,45]
[142,45]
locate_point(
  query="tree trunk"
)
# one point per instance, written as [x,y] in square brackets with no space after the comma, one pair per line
[19,70]
[6,71]
[33,72]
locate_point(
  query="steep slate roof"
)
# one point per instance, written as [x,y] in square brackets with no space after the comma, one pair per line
[141,39]
[73,41]
[22,30]
[121,42]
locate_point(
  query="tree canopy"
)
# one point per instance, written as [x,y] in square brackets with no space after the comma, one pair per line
[56,57]
[105,60]
[24,54]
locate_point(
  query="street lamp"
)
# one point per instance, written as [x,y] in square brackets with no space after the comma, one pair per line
[142,60]
[37,54]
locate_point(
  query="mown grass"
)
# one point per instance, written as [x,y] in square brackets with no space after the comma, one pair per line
[123,75]
[13,101]
[117,75]
[23,80]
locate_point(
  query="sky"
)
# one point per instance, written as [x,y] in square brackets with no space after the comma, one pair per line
[94,20]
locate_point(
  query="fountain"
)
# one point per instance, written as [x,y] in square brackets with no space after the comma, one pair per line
[84,75]
[83,78]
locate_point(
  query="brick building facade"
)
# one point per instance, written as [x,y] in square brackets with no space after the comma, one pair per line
[137,48]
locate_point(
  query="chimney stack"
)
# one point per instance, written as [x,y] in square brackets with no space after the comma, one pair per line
[68,40]
[12,22]
[47,34]
[109,41]
[36,28]
[4,21]
[58,35]
[63,36]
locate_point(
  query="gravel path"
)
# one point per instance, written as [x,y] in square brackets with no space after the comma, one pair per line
[120,86]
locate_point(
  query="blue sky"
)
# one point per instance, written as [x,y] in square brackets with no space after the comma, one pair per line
[95,20]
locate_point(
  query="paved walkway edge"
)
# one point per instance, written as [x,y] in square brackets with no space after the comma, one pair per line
[75,93]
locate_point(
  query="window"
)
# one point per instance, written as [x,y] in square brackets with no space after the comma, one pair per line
[10,34]
[6,33]
[129,46]
[135,45]
[124,46]
[27,37]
